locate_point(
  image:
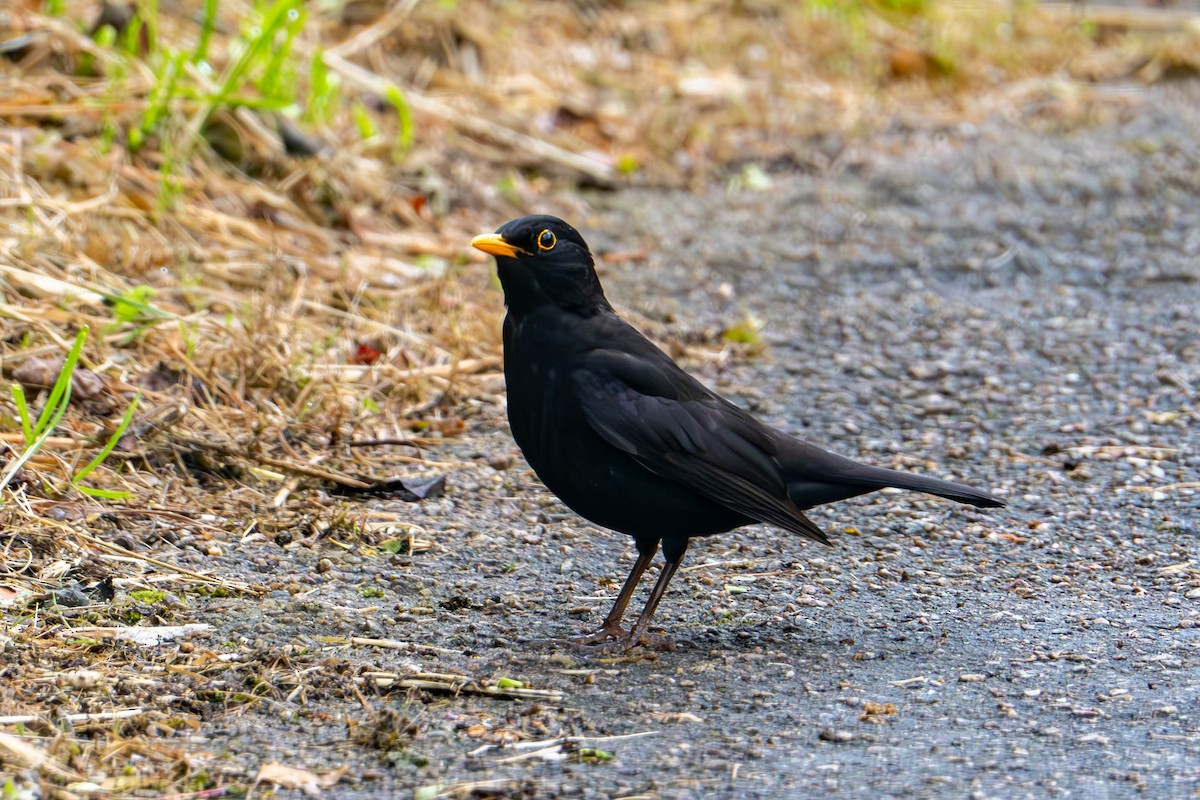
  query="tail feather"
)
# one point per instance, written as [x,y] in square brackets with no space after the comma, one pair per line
[923,483]
[861,479]
[815,476]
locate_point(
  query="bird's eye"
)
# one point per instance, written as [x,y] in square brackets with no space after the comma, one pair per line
[546,240]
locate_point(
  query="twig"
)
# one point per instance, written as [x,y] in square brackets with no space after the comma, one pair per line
[467,366]
[278,463]
[63,442]
[1169,487]
[1157,20]
[32,757]
[382,327]
[455,685]
[51,287]
[477,126]
[121,551]
[395,644]
[538,749]
[97,716]
[391,442]
[376,32]
[468,789]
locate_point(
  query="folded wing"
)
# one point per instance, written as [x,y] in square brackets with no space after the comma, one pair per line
[679,430]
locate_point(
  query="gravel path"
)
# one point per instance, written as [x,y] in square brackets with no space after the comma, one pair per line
[1015,304]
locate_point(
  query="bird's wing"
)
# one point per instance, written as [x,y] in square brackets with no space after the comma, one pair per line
[676,428]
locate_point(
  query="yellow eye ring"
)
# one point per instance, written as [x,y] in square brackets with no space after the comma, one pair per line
[546,240]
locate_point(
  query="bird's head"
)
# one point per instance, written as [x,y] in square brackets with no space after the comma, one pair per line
[542,260]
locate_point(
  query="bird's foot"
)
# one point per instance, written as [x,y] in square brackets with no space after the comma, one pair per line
[609,636]
[606,635]
[615,640]
[610,640]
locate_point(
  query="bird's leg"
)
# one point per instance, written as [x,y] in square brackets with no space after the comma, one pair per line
[611,627]
[673,553]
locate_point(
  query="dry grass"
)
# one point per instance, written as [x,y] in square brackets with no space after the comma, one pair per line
[286,306]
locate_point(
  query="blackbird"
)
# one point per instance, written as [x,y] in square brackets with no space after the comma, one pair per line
[629,440]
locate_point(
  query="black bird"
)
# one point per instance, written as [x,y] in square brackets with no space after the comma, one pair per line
[629,440]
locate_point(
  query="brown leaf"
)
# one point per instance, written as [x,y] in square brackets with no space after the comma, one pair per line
[41,373]
[407,489]
[294,778]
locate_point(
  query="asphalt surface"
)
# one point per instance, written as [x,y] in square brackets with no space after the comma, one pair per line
[1013,303]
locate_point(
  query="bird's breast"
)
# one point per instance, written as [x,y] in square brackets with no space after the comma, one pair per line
[595,479]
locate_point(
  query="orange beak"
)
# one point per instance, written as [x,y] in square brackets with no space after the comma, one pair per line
[494,244]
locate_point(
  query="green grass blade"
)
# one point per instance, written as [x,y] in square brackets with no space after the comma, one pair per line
[105,451]
[404,137]
[363,121]
[133,306]
[18,393]
[322,90]
[273,20]
[52,413]
[104,494]
[60,393]
[278,80]
[163,93]
[206,31]
[147,16]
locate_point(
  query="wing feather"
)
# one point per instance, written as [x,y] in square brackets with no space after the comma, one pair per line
[681,431]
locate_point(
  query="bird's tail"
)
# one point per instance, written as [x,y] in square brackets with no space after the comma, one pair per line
[962,493]
[841,478]
[815,476]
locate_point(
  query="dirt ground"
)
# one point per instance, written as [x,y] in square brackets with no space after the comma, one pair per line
[1015,304]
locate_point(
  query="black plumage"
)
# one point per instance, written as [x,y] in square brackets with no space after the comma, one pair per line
[629,440]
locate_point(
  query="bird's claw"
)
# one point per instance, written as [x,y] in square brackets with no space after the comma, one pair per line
[607,634]
[610,638]
[615,639]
